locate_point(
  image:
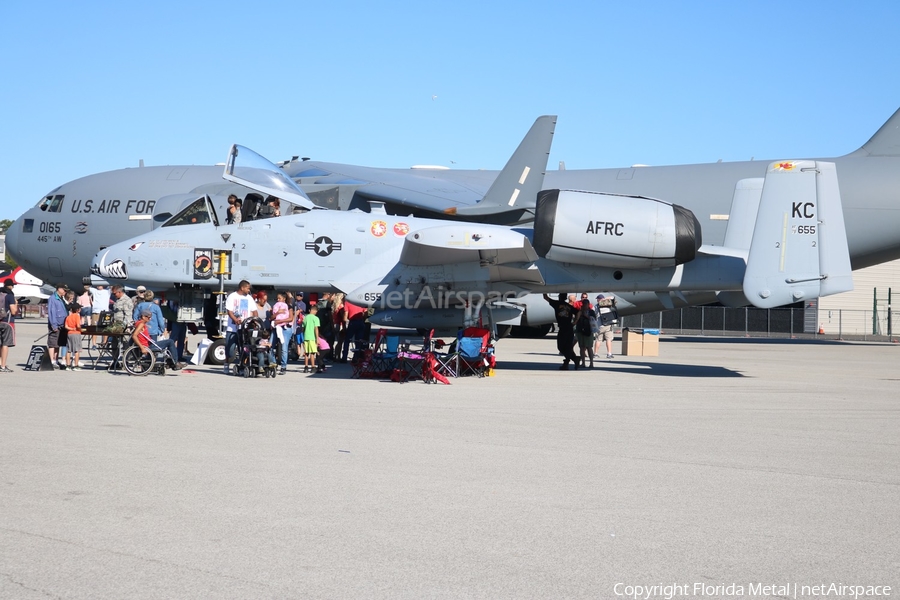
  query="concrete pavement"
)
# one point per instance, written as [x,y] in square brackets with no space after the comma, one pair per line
[719,462]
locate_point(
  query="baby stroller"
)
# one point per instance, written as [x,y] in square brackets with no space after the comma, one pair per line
[256,355]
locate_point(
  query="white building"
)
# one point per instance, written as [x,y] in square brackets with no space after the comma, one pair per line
[851,313]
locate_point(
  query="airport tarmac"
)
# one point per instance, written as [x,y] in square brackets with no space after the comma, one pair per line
[722,462]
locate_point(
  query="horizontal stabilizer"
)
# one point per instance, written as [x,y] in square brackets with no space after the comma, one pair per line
[799,245]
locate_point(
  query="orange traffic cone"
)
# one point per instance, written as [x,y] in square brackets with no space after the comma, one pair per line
[821,329]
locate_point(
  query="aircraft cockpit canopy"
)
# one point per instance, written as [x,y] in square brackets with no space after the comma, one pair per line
[52,203]
[198,211]
[246,167]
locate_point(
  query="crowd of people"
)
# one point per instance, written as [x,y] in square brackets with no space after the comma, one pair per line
[579,322]
[68,317]
[326,328]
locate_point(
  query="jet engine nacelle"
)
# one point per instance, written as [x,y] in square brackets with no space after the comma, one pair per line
[613,230]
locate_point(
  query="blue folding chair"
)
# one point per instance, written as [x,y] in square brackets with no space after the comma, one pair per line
[385,357]
[471,356]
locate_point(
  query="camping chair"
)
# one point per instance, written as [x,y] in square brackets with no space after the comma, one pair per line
[386,355]
[363,361]
[472,352]
[444,358]
[411,363]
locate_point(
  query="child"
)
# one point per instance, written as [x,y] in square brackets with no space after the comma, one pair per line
[311,340]
[73,339]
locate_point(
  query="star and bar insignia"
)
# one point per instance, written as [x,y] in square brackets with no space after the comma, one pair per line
[323,246]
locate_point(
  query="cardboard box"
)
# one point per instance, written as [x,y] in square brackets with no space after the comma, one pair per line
[632,343]
[637,343]
[650,345]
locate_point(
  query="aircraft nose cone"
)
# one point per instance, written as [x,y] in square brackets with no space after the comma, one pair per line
[12,240]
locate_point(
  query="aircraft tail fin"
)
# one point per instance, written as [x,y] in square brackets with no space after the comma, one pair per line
[518,184]
[799,246]
[885,142]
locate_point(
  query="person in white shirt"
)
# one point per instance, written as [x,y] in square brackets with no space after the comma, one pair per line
[100,303]
[240,306]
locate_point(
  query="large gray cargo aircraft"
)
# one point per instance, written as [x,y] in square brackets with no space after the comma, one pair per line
[55,239]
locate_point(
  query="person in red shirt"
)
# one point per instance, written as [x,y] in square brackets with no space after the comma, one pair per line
[355,317]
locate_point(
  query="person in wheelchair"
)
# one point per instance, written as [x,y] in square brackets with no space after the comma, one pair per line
[142,338]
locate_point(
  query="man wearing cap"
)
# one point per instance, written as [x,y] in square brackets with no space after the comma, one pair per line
[606,330]
[56,318]
[299,304]
[8,307]
[138,298]
[122,312]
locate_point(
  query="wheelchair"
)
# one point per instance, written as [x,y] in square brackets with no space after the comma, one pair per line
[140,363]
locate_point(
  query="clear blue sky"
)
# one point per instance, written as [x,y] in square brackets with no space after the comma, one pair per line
[95,86]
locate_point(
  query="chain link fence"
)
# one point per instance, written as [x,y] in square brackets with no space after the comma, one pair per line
[774,322]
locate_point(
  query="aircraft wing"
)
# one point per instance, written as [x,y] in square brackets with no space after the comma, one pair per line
[457,259]
[430,187]
[467,194]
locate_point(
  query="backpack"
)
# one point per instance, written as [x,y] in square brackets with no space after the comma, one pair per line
[4,311]
[584,325]
[595,325]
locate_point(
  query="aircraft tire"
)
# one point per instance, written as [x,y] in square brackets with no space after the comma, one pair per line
[216,353]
